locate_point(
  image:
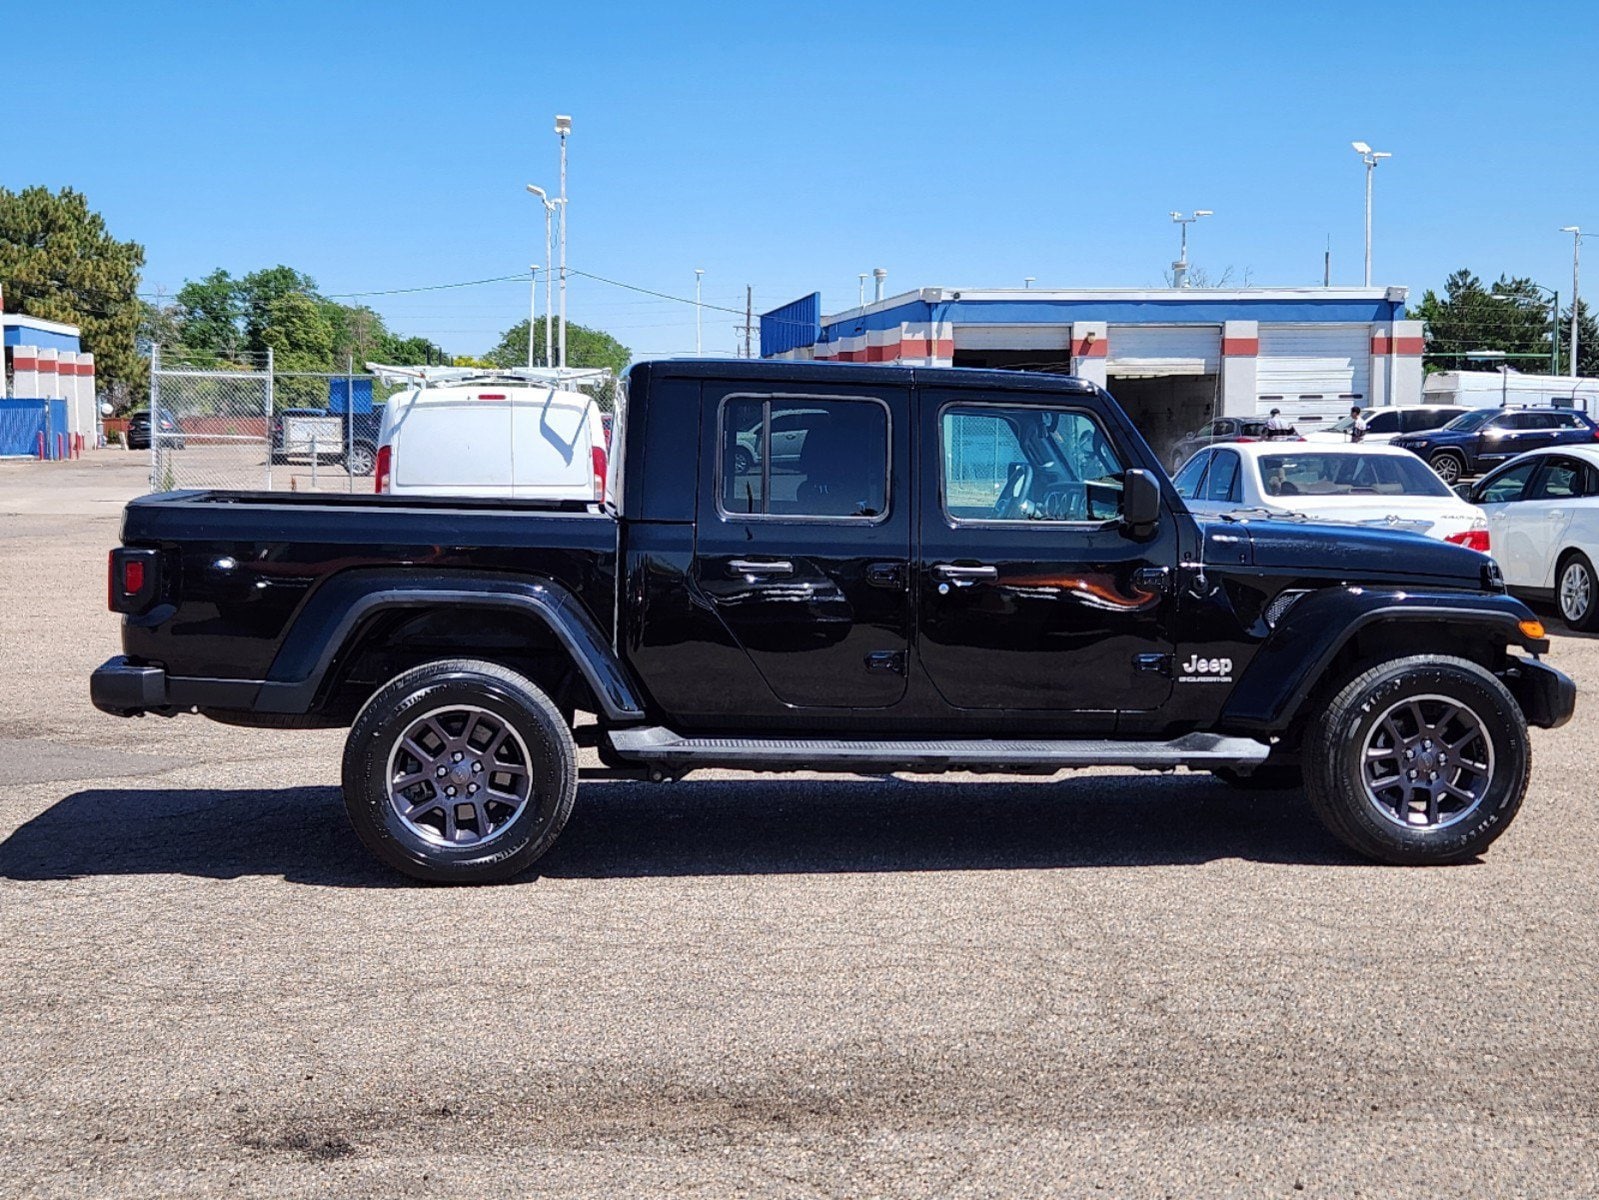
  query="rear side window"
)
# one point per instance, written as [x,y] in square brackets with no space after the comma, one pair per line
[1418,419]
[1383,422]
[1563,479]
[1188,479]
[800,458]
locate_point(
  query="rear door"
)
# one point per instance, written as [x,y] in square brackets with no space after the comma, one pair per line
[803,539]
[1512,515]
[551,444]
[1033,597]
[1550,505]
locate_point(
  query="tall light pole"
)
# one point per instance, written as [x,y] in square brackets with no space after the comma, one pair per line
[549,214]
[699,315]
[1371,158]
[563,126]
[1179,269]
[863,289]
[532,312]
[1576,294]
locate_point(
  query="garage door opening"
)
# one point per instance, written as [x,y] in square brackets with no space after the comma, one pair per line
[1167,377]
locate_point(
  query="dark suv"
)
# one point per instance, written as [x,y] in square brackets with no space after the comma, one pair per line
[139,431]
[1481,439]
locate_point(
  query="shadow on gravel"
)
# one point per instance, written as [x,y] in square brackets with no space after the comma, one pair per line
[715,827]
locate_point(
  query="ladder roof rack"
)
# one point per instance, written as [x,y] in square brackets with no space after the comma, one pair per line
[446,376]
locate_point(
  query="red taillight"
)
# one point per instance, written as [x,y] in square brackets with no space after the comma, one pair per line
[1471,539]
[111,580]
[491,395]
[598,454]
[131,580]
[132,576]
[1246,439]
[380,473]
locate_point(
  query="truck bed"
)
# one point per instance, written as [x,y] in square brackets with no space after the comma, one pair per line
[238,568]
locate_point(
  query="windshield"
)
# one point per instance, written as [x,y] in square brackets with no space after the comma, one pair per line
[1341,425]
[1313,474]
[1473,420]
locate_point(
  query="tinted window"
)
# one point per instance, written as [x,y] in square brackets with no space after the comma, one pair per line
[1222,482]
[1028,464]
[1562,479]
[805,458]
[1187,481]
[1527,420]
[1564,420]
[1507,486]
[1472,421]
[1383,422]
[1313,473]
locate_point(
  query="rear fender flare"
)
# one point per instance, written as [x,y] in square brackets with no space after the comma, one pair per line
[336,610]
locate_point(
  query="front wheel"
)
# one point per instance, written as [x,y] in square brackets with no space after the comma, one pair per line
[1448,467]
[1419,761]
[1578,593]
[459,771]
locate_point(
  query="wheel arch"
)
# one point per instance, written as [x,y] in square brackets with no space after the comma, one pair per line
[1320,646]
[369,619]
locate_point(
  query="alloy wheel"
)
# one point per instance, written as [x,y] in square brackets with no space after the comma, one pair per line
[1427,762]
[1576,592]
[459,776]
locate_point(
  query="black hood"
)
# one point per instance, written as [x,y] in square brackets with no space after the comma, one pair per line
[1350,553]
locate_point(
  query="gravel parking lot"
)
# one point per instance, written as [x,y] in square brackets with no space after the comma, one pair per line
[1105,983]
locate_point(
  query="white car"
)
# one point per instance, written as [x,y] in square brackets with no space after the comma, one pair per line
[493,438]
[1543,516]
[1362,484]
[1385,424]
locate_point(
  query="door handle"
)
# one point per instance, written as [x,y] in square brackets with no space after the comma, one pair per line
[748,566]
[955,571]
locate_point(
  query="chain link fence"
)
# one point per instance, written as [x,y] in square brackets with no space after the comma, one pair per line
[236,422]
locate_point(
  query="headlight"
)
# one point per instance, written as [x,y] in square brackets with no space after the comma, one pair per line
[1419,443]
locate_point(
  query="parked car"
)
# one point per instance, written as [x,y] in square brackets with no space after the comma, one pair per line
[347,438]
[1481,439]
[1222,429]
[967,570]
[1385,424]
[139,431]
[1358,484]
[493,438]
[787,431]
[1543,510]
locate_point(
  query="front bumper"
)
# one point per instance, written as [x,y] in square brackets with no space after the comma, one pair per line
[1547,696]
[124,690]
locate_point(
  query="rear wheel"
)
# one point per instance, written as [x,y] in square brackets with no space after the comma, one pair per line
[1419,761]
[459,771]
[360,459]
[1448,465]
[1577,592]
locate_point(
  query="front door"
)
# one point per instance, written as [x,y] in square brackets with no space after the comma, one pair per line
[1033,596]
[803,540]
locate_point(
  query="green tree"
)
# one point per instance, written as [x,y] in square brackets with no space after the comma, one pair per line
[211,314]
[585,347]
[59,262]
[1587,341]
[1511,317]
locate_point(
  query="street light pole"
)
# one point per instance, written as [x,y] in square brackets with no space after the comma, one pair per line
[1371,158]
[699,315]
[532,313]
[1576,291]
[549,275]
[1179,269]
[563,126]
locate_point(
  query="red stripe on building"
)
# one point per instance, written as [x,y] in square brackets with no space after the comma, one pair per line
[24,364]
[1240,347]
[1408,345]
[1090,347]
[1380,344]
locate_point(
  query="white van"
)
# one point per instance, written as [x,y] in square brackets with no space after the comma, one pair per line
[492,438]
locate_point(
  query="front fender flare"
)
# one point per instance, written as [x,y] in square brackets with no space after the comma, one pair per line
[325,624]
[1312,633]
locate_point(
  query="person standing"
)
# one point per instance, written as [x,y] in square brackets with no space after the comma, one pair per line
[1357,425]
[1277,426]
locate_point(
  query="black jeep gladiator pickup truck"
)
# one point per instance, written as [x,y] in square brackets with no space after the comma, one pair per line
[842,568]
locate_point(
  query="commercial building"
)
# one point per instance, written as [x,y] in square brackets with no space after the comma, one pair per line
[1174,357]
[48,387]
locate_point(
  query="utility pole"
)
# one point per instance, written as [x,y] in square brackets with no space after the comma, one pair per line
[699,315]
[748,328]
[532,314]
[563,126]
[1576,290]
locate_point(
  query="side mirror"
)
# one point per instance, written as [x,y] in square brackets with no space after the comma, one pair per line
[1140,501]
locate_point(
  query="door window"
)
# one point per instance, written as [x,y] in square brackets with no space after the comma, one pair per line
[1507,486]
[1188,479]
[1562,479]
[1222,482]
[1383,422]
[803,458]
[1027,464]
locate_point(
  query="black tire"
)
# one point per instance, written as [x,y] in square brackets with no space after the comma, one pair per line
[1274,777]
[1342,735]
[514,839]
[1448,465]
[361,459]
[1578,603]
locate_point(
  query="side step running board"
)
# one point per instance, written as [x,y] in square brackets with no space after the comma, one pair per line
[661,748]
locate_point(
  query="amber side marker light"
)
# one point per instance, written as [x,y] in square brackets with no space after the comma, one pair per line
[1533,629]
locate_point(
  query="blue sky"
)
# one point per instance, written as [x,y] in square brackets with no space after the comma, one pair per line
[380,146]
